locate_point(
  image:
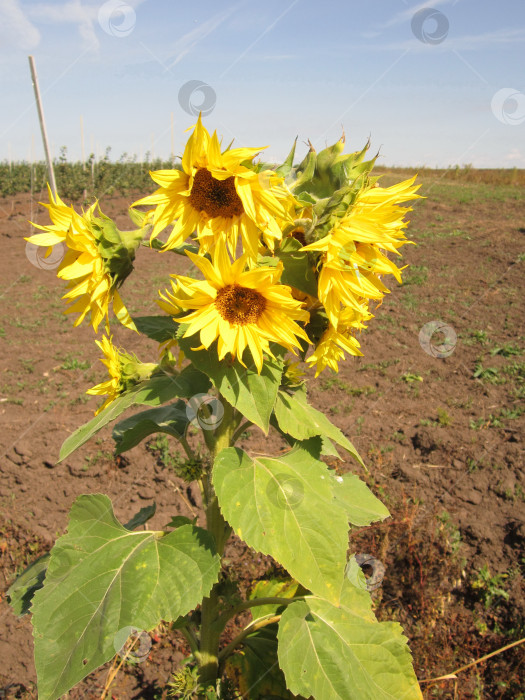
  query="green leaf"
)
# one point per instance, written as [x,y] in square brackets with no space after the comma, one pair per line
[159,328]
[298,271]
[153,392]
[328,449]
[343,653]
[285,507]
[302,421]
[255,668]
[361,506]
[142,517]
[22,590]
[179,520]
[103,581]
[250,393]
[171,419]
[273,588]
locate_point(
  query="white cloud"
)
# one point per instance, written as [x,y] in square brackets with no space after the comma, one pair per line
[15,28]
[515,155]
[72,12]
[82,15]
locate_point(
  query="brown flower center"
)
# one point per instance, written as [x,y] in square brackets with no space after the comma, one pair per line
[240,305]
[215,197]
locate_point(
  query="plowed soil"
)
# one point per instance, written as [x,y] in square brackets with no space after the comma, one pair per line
[443,438]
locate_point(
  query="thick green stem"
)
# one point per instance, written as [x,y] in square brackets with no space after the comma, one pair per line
[247,604]
[187,449]
[240,430]
[252,627]
[208,655]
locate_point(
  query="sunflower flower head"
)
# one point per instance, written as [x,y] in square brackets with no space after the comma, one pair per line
[293,377]
[99,257]
[240,309]
[125,371]
[336,340]
[219,196]
[353,254]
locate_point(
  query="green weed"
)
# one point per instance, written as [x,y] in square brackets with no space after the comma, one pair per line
[489,588]
[381,366]
[450,531]
[408,377]
[72,362]
[443,417]
[488,374]
[506,350]
[337,383]
[416,275]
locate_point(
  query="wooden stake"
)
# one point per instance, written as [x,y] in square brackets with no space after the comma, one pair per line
[51,172]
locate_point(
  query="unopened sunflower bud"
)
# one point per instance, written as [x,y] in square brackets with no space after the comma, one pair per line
[117,248]
[125,371]
[98,260]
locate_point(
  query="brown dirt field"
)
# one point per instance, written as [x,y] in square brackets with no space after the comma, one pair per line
[445,448]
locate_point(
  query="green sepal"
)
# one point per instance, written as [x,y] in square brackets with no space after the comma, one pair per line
[116,248]
[180,250]
[298,270]
[285,168]
[137,217]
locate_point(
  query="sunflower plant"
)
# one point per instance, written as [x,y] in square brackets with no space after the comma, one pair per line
[287,265]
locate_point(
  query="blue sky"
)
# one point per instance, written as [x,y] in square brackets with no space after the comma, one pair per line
[432,84]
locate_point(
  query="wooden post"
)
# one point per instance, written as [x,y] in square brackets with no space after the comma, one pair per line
[51,172]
